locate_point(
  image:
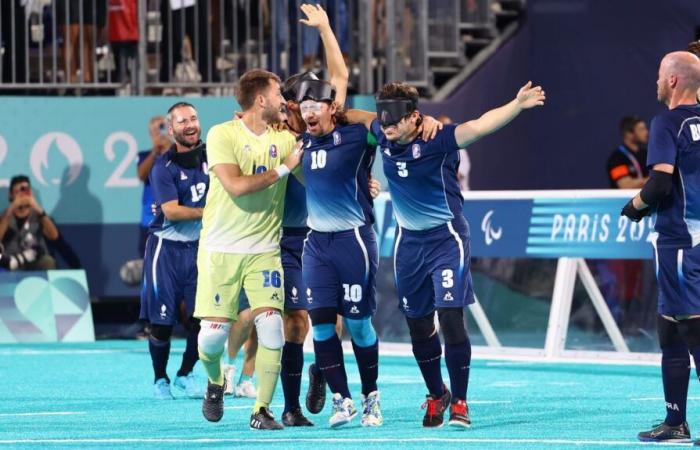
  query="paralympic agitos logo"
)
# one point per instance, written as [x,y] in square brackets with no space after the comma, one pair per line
[67,146]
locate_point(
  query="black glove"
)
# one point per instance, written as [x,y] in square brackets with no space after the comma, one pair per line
[633,213]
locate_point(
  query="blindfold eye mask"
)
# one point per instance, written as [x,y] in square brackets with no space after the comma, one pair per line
[390,112]
[290,94]
[317,90]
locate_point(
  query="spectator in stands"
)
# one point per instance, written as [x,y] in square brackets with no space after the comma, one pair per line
[124,35]
[160,142]
[627,164]
[24,226]
[464,164]
[71,14]
[694,48]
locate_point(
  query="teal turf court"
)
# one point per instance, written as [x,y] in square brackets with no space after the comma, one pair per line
[98,395]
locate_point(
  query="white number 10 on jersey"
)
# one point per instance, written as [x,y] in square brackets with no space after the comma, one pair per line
[318,159]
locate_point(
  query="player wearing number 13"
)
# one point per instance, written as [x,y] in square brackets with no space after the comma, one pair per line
[179,180]
[431,256]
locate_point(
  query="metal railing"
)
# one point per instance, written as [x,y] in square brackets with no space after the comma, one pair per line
[199,47]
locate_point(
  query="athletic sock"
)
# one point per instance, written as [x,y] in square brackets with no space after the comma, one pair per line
[191,356]
[244,377]
[267,366]
[160,351]
[292,365]
[368,365]
[675,373]
[457,358]
[329,360]
[230,361]
[428,354]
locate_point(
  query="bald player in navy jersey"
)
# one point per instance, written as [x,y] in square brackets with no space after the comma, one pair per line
[431,255]
[672,194]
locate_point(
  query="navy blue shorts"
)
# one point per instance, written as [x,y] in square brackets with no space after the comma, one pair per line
[339,271]
[292,245]
[432,268]
[678,274]
[169,279]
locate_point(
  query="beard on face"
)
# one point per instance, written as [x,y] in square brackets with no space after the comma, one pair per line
[185,138]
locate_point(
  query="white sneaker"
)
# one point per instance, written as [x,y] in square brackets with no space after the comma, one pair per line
[371,414]
[229,375]
[245,389]
[343,411]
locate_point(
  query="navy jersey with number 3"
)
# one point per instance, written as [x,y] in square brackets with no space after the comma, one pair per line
[188,186]
[336,172]
[422,178]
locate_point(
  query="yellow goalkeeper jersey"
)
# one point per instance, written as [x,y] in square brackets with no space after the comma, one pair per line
[248,224]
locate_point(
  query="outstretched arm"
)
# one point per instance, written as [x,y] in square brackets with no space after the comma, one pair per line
[360,116]
[337,70]
[473,130]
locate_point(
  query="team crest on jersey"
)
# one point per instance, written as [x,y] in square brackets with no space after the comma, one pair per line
[336,138]
[416,151]
[217,299]
[273,151]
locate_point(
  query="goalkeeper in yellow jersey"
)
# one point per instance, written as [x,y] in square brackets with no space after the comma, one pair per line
[249,163]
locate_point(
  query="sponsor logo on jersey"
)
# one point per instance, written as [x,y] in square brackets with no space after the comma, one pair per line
[405,304]
[273,151]
[387,151]
[295,297]
[336,138]
[415,149]
[275,297]
[448,297]
[354,310]
[217,299]
[183,177]
[246,148]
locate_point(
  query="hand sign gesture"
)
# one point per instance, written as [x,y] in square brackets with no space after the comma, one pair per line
[529,97]
[316,16]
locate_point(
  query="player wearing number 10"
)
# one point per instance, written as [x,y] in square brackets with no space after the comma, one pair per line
[431,256]
[179,180]
[339,260]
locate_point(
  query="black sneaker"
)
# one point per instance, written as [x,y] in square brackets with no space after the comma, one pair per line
[295,418]
[459,415]
[436,408]
[263,420]
[316,396]
[213,404]
[666,433]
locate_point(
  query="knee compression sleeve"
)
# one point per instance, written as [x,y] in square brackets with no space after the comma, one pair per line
[323,323]
[690,331]
[452,325]
[212,338]
[421,329]
[361,331]
[270,330]
[161,332]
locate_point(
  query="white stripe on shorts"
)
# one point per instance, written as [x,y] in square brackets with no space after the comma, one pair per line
[154,272]
[364,252]
[459,244]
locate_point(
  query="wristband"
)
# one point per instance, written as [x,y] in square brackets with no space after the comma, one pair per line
[282,170]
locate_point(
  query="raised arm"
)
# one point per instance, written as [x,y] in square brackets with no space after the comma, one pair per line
[337,70]
[473,130]
[360,116]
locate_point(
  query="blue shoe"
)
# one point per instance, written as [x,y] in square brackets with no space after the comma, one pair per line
[161,390]
[188,384]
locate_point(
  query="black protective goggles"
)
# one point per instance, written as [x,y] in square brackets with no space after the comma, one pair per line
[316,90]
[390,112]
[290,94]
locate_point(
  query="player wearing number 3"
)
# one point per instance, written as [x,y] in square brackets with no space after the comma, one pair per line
[179,179]
[431,256]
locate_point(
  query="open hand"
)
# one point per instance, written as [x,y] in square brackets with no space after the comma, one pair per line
[529,97]
[430,127]
[316,16]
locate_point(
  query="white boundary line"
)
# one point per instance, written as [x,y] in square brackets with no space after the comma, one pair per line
[524,195]
[359,440]
[57,413]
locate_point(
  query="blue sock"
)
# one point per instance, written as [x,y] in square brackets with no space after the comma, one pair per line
[368,365]
[191,355]
[160,351]
[329,359]
[244,377]
[292,365]
[428,354]
[457,358]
